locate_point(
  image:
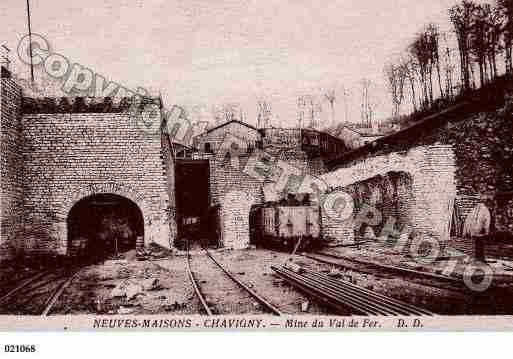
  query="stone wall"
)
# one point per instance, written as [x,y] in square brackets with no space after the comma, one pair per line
[11,198]
[390,194]
[169,167]
[69,156]
[483,144]
[234,212]
[433,189]
[456,159]
[235,191]
[335,230]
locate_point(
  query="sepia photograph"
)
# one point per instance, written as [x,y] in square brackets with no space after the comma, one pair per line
[256,165]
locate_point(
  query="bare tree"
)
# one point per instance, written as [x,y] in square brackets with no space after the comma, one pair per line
[368,105]
[301,106]
[411,74]
[264,109]
[505,7]
[317,114]
[309,107]
[346,94]
[420,51]
[331,97]
[495,24]
[448,68]
[226,112]
[314,110]
[433,38]
[461,18]
[396,78]
[479,38]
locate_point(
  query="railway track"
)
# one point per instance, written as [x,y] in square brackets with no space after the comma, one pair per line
[37,294]
[390,272]
[223,294]
[342,296]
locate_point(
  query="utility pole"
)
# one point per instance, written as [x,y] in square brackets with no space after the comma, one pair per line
[30,41]
[346,94]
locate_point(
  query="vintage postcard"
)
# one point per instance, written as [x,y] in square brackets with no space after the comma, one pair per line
[256,165]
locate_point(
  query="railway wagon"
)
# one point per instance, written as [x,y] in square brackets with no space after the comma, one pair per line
[281,227]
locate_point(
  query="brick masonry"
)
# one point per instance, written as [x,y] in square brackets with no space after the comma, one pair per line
[52,160]
[11,199]
[71,156]
[235,192]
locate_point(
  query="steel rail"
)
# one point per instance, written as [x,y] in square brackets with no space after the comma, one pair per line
[317,257]
[60,289]
[374,295]
[46,281]
[361,296]
[23,285]
[194,282]
[27,293]
[409,275]
[391,268]
[255,295]
[327,297]
[356,302]
[386,302]
[342,309]
[399,305]
[351,295]
[351,298]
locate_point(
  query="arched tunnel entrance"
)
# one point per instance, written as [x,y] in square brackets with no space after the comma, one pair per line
[103,225]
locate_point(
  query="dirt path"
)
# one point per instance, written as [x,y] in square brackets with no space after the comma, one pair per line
[130,287]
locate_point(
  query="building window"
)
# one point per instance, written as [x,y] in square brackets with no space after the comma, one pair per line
[207,147]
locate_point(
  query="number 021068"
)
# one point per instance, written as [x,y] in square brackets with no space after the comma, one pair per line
[10,348]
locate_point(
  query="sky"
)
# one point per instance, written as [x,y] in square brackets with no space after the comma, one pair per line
[201,53]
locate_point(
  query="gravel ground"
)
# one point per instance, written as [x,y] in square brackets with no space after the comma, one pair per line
[162,286]
[92,291]
[97,288]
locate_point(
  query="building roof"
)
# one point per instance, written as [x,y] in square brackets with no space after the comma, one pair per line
[229,122]
[359,131]
[413,131]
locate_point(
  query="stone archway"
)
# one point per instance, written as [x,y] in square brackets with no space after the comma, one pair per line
[61,228]
[102,225]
